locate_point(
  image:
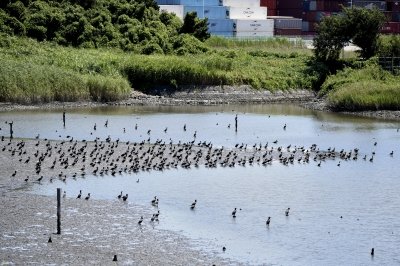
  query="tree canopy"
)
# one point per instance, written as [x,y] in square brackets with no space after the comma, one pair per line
[195,26]
[359,26]
[134,25]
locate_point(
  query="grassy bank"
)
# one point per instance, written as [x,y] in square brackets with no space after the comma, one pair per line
[262,71]
[33,72]
[368,88]
[40,72]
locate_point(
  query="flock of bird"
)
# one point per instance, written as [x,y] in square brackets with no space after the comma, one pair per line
[71,158]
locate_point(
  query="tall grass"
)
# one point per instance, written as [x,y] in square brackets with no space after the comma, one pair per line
[218,69]
[47,72]
[24,82]
[369,88]
[105,89]
[277,45]
[31,72]
[146,71]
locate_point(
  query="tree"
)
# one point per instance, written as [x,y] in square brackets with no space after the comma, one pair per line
[357,25]
[365,25]
[331,38]
[194,26]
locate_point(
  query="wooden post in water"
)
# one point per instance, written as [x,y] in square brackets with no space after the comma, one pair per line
[11,129]
[58,211]
[64,118]
[236,123]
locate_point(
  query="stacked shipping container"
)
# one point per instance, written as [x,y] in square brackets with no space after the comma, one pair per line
[315,10]
[245,19]
[230,18]
[250,16]
[284,25]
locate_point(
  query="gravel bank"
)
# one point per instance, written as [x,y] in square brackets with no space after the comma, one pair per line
[211,95]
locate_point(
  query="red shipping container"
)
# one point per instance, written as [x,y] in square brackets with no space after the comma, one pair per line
[334,6]
[271,12]
[320,5]
[288,32]
[297,13]
[395,26]
[391,28]
[270,4]
[289,4]
[308,33]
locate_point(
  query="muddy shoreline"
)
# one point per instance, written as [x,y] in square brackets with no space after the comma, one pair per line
[209,95]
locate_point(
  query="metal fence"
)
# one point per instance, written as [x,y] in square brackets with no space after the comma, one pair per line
[390,64]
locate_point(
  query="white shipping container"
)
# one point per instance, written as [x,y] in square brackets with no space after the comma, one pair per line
[240,3]
[178,10]
[247,13]
[253,25]
[228,34]
[253,34]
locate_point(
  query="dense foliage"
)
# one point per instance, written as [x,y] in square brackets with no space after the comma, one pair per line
[193,25]
[133,25]
[389,46]
[359,26]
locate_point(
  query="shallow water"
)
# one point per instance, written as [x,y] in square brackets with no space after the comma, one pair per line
[364,194]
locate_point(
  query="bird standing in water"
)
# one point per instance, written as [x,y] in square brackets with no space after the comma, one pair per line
[154,202]
[193,204]
[268,221]
[124,198]
[287,212]
[234,213]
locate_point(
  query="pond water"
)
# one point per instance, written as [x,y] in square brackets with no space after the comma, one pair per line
[337,213]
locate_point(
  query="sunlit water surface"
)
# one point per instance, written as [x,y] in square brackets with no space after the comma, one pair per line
[337,213]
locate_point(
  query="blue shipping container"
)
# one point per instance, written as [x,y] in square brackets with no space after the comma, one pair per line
[189,2]
[220,25]
[211,12]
